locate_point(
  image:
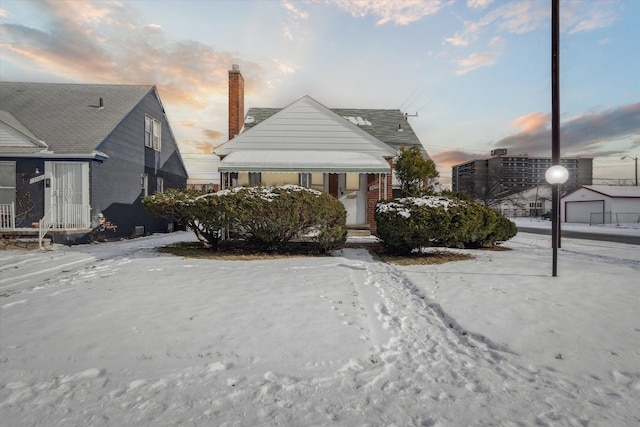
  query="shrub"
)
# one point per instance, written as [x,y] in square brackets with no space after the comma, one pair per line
[204,213]
[269,217]
[407,224]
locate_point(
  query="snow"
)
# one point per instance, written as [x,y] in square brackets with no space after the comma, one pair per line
[119,334]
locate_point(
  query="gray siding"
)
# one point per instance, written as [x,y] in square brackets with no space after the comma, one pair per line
[116,189]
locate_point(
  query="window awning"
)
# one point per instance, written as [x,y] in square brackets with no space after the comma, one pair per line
[303,161]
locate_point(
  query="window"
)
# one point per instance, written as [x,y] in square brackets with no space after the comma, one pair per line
[159,185]
[145,185]
[311,180]
[255,178]
[7,182]
[152,133]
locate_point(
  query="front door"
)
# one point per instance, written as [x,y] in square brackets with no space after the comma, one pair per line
[69,194]
[352,193]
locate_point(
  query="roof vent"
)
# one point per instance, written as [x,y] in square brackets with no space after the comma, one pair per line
[101,104]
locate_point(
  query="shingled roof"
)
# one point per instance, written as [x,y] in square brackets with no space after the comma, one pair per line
[69,117]
[387,125]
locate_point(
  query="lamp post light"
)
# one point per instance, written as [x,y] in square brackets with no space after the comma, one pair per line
[632,158]
[555,175]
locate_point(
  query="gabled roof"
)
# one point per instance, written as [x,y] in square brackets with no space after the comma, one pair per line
[387,125]
[68,117]
[305,136]
[615,191]
[16,139]
[306,125]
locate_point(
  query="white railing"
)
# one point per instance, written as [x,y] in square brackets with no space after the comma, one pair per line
[44,225]
[8,216]
[71,216]
[66,217]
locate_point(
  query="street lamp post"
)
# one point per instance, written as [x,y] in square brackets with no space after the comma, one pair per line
[636,160]
[555,175]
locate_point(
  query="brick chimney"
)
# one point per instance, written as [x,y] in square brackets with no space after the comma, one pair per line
[236,101]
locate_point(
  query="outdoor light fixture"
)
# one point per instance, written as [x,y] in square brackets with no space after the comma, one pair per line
[555,176]
[632,158]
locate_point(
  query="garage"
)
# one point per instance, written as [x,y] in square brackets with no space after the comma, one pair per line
[585,211]
[602,204]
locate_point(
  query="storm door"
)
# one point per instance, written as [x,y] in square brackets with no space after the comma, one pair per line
[69,195]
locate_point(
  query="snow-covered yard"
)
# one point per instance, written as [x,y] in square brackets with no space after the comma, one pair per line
[118,334]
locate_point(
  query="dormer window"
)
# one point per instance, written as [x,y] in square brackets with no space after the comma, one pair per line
[152,133]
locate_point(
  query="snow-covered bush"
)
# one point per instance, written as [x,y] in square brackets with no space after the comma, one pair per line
[204,213]
[265,217]
[412,223]
[269,217]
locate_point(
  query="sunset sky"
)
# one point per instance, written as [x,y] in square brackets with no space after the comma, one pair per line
[476,72]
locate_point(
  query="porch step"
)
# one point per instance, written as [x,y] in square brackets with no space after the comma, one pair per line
[358,233]
[25,243]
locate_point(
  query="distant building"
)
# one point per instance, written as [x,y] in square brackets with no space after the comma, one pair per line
[203,171]
[503,173]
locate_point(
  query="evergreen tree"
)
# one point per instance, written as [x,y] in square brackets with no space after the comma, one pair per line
[416,174]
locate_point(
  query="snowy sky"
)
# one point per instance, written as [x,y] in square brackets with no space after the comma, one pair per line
[476,72]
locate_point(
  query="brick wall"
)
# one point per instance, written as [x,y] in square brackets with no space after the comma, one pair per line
[376,192]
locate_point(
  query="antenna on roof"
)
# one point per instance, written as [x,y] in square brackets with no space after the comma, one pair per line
[407,115]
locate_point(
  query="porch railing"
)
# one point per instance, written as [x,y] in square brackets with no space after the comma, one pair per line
[7,216]
[44,225]
[67,217]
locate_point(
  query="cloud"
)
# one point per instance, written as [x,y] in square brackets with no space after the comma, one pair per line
[447,158]
[478,4]
[294,11]
[191,146]
[600,19]
[532,122]
[292,28]
[399,12]
[514,17]
[102,42]
[475,61]
[576,17]
[584,134]
[523,16]
[213,134]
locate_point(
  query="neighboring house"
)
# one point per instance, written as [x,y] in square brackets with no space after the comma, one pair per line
[531,202]
[203,171]
[80,157]
[602,204]
[348,153]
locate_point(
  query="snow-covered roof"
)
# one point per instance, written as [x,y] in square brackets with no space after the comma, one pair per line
[305,136]
[303,161]
[615,190]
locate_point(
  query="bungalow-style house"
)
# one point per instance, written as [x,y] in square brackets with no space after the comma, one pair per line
[348,153]
[79,158]
[602,204]
[530,202]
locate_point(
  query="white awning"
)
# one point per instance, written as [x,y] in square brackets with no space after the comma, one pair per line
[303,161]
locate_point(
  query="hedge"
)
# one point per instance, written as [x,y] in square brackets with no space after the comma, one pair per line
[411,223]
